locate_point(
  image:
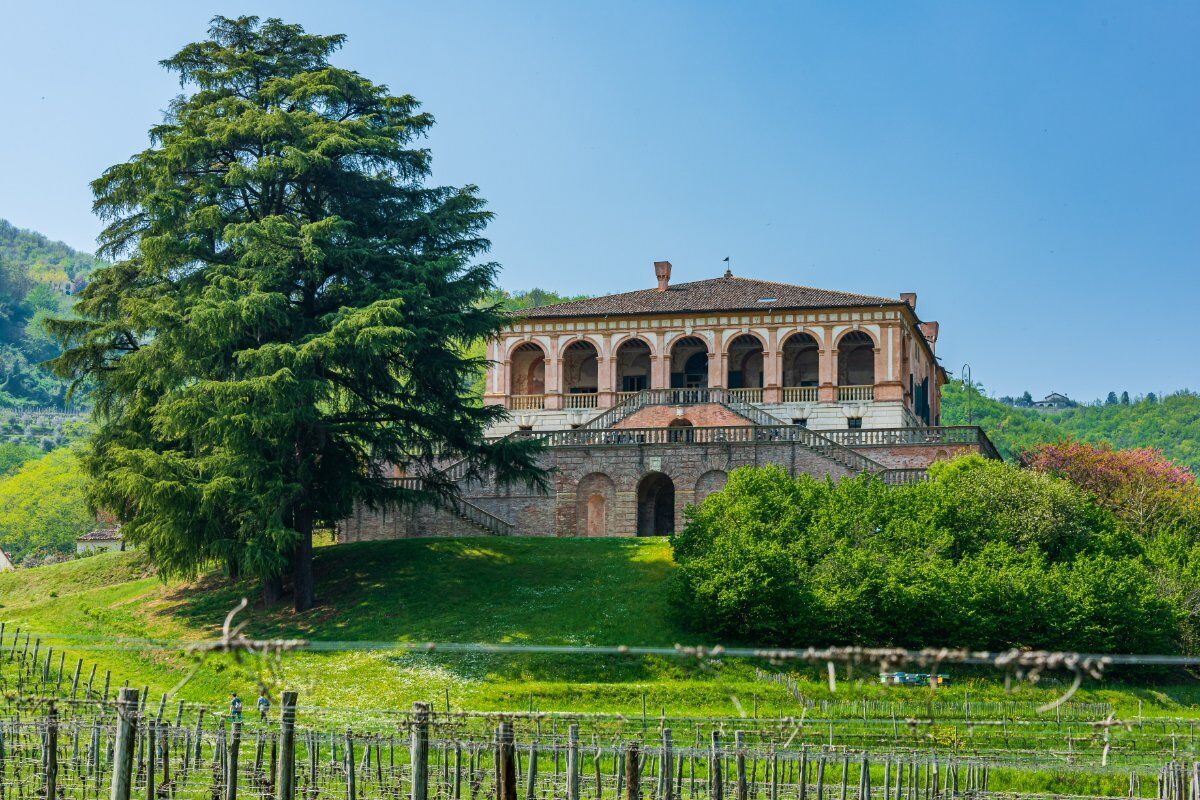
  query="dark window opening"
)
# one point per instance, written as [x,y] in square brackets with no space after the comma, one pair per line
[633,383]
[854,422]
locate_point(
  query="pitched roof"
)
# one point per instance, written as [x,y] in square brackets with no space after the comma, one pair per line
[728,293]
[101,535]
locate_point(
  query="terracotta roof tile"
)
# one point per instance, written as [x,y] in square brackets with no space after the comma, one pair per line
[101,535]
[715,294]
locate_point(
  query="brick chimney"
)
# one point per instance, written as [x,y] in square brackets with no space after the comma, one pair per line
[910,298]
[662,271]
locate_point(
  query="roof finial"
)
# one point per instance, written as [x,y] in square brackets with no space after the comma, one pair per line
[728,271]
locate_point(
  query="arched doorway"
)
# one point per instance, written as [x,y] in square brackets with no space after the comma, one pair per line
[656,505]
[856,360]
[745,363]
[680,430]
[633,366]
[689,363]
[801,361]
[856,370]
[527,376]
[580,377]
[594,496]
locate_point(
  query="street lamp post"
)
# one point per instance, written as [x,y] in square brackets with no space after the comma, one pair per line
[966,370]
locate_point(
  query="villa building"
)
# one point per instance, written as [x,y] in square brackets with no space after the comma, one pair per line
[645,401]
[822,359]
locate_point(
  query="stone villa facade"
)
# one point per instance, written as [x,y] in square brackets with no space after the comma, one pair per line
[646,400]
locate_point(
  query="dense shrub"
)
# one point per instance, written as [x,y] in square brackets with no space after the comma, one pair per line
[983,555]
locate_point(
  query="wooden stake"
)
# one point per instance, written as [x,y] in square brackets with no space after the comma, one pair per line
[419,753]
[122,776]
[286,784]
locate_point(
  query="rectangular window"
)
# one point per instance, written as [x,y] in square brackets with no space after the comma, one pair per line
[633,383]
[524,427]
[854,422]
[800,423]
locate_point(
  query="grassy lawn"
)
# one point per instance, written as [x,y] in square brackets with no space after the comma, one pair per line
[547,591]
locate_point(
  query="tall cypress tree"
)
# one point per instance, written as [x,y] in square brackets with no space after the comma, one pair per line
[287,312]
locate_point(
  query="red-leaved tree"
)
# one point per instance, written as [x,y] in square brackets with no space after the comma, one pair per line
[1140,486]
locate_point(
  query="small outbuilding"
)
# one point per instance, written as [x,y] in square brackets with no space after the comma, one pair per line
[6,563]
[100,540]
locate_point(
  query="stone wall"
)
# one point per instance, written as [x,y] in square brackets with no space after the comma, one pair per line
[594,490]
[914,456]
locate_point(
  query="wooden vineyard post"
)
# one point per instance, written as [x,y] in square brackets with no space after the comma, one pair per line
[506,764]
[122,775]
[75,678]
[286,784]
[531,773]
[573,763]
[151,736]
[51,783]
[716,788]
[668,766]
[231,772]
[633,784]
[419,754]
[740,756]
[349,756]
[165,736]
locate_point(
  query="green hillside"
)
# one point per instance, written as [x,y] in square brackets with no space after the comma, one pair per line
[543,591]
[43,260]
[1170,424]
[34,273]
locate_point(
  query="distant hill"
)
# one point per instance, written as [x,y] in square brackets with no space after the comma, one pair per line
[38,279]
[1170,423]
[43,260]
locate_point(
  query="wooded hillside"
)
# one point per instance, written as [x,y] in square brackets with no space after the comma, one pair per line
[1170,423]
[38,279]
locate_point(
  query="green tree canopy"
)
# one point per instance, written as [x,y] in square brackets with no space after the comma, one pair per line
[984,555]
[287,310]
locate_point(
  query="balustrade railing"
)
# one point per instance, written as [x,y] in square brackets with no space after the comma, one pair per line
[855,394]
[799,394]
[747,395]
[942,435]
[898,477]
[581,400]
[527,402]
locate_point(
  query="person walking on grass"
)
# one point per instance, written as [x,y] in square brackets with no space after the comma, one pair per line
[264,704]
[235,708]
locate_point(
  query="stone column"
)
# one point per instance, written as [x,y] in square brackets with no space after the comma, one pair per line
[606,367]
[660,364]
[718,369]
[553,390]
[827,368]
[772,369]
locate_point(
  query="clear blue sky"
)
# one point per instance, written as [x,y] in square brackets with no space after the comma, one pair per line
[1032,170]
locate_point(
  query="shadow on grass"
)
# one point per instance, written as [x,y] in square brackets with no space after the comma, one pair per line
[536,591]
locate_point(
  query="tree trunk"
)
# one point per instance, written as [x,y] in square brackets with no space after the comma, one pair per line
[302,571]
[272,589]
[234,569]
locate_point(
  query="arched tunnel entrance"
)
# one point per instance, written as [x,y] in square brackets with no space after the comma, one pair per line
[656,505]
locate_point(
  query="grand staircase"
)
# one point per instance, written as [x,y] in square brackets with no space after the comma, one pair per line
[821,445]
[600,429]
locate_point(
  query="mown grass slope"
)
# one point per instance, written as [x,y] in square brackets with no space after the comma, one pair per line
[558,591]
